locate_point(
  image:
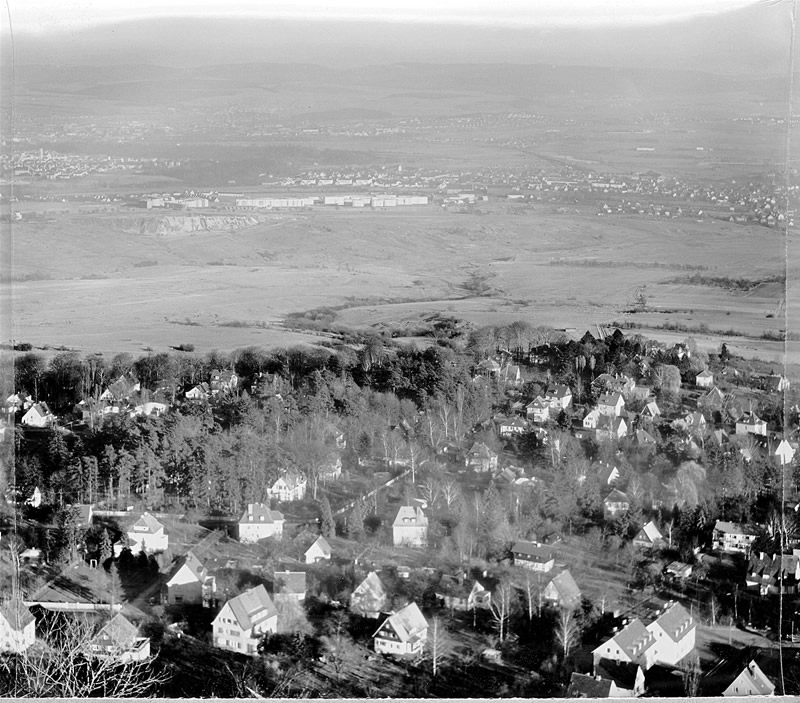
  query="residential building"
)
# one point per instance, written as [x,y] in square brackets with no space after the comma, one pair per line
[594,687]
[559,396]
[243,620]
[119,639]
[410,527]
[319,551]
[751,423]
[259,522]
[289,585]
[147,535]
[648,537]
[513,426]
[289,486]
[733,537]
[17,627]
[634,643]
[678,570]
[562,591]
[712,401]
[607,474]
[538,410]
[592,419]
[38,415]
[773,573]
[200,392]
[628,677]
[695,422]
[611,404]
[403,633]
[611,428]
[674,634]
[615,502]
[751,681]
[705,379]
[190,582]
[650,411]
[481,458]
[642,438]
[369,599]
[533,556]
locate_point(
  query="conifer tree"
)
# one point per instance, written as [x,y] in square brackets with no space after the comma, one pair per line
[328,525]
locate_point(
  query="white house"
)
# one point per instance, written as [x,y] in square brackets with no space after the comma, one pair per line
[562,591]
[533,556]
[592,419]
[243,620]
[258,522]
[674,634]
[190,582]
[615,502]
[733,537]
[403,633]
[410,527]
[289,486]
[319,551]
[481,458]
[705,379]
[369,599]
[119,639]
[17,627]
[611,404]
[513,426]
[538,410]
[38,415]
[559,396]
[147,535]
[634,643]
[750,682]
[751,423]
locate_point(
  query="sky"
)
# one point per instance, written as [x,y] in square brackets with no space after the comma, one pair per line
[49,16]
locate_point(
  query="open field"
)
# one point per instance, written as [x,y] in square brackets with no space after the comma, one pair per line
[91,282]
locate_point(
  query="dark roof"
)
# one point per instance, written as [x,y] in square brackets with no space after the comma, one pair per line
[532,551]
[117,632]
[616,497]
[289,582]
[623,674]
[567,589]
[252,603]
[256,511]
[586,686]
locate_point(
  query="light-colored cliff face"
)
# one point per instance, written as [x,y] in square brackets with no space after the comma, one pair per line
[171,225]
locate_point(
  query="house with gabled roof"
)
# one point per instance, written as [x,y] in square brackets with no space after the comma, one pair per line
[17,626]
[562,591]
[674,634]
[481,458]
[642,438]
[648,537]
[616,502]
[38,415]
[533,556]
[121,389]
[512,426]
[628,678]
[369,599]
[510,373]
[147,535]
[611,404]
[289,585]
[650,411]
[750,423]
[243,620]
[538,410]
[410,527]
[751,681]
[610,428]
[76,590]
[773,573]
[592,419]
[695,422]
[199,392]
[489,368]
[705,379]
[402,634]
[719,438]
[259,522]
[190,582]
[589,686]
[320,550]
[559,396]
[607,474]
[733,537]
[223,381]
[712,401]
[634,643]
[119,639]
[289,486]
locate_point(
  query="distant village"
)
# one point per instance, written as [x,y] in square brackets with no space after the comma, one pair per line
[595,516]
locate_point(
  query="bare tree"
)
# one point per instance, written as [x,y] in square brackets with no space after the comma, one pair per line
[533,594]
[438,644]
[431,490]
[62,664]
[567,631]
[502,607]
[450,492]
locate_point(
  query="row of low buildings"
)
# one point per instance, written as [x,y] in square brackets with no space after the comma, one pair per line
[355,201]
